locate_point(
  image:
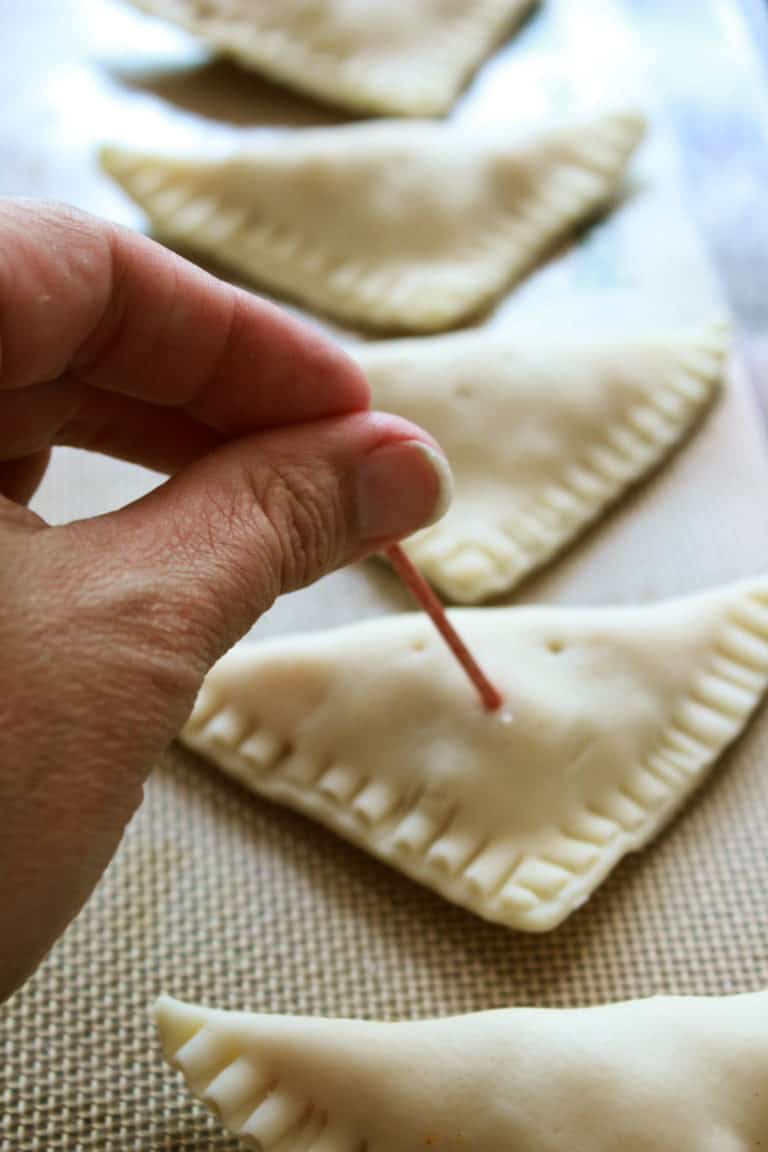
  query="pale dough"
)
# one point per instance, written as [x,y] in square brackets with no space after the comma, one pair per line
[392,56]
[661,1075]
[412,226]
[614,716]
[541,435]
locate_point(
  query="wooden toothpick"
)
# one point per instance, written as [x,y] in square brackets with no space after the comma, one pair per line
[412,578]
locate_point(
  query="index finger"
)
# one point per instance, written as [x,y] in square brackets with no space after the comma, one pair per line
[86,301]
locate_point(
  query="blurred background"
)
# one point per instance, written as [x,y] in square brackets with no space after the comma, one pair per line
[216,896]
[77,74]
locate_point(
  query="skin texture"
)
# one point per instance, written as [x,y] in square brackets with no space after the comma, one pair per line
[107,626]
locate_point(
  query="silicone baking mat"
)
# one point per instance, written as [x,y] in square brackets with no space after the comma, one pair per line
[220,897]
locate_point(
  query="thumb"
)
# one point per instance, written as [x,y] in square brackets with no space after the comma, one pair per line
[110,624]
[212,548]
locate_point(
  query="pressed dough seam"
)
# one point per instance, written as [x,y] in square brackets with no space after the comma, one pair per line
[687,778]
[335,74]
[532,228]
[549,527]
[348,284]
[241,1113]
[637,464]
[675,773]
[684,779]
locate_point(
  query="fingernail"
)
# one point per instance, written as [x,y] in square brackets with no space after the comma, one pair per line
[401,488]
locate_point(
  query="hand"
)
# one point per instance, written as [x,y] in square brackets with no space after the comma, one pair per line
[280,473]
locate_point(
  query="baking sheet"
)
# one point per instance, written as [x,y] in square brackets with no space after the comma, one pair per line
[218,896]
[643,265]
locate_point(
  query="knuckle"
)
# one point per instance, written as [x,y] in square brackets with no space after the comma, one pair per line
[272,527]
[223,559]
[305,517]
[263,530]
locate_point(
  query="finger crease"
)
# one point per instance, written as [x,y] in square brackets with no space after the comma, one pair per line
[105,333]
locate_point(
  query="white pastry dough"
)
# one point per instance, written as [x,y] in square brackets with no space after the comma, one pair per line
[673,1074]
[614,716]
[390,56]
[541,436]
[398,225]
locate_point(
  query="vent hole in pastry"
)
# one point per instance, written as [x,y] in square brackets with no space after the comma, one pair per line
[555,647]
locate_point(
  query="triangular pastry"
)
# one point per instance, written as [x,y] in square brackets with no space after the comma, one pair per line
[541,436]
[669,1074]
[390,56]
[398,225]
[613,716]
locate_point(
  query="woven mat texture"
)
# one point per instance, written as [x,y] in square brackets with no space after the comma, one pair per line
[221,897]
[224,898]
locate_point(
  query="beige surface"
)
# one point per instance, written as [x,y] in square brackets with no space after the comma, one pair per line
[519,499]
[611,718]
[218,897]
[310,214]
[515,1080]
[371,56]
